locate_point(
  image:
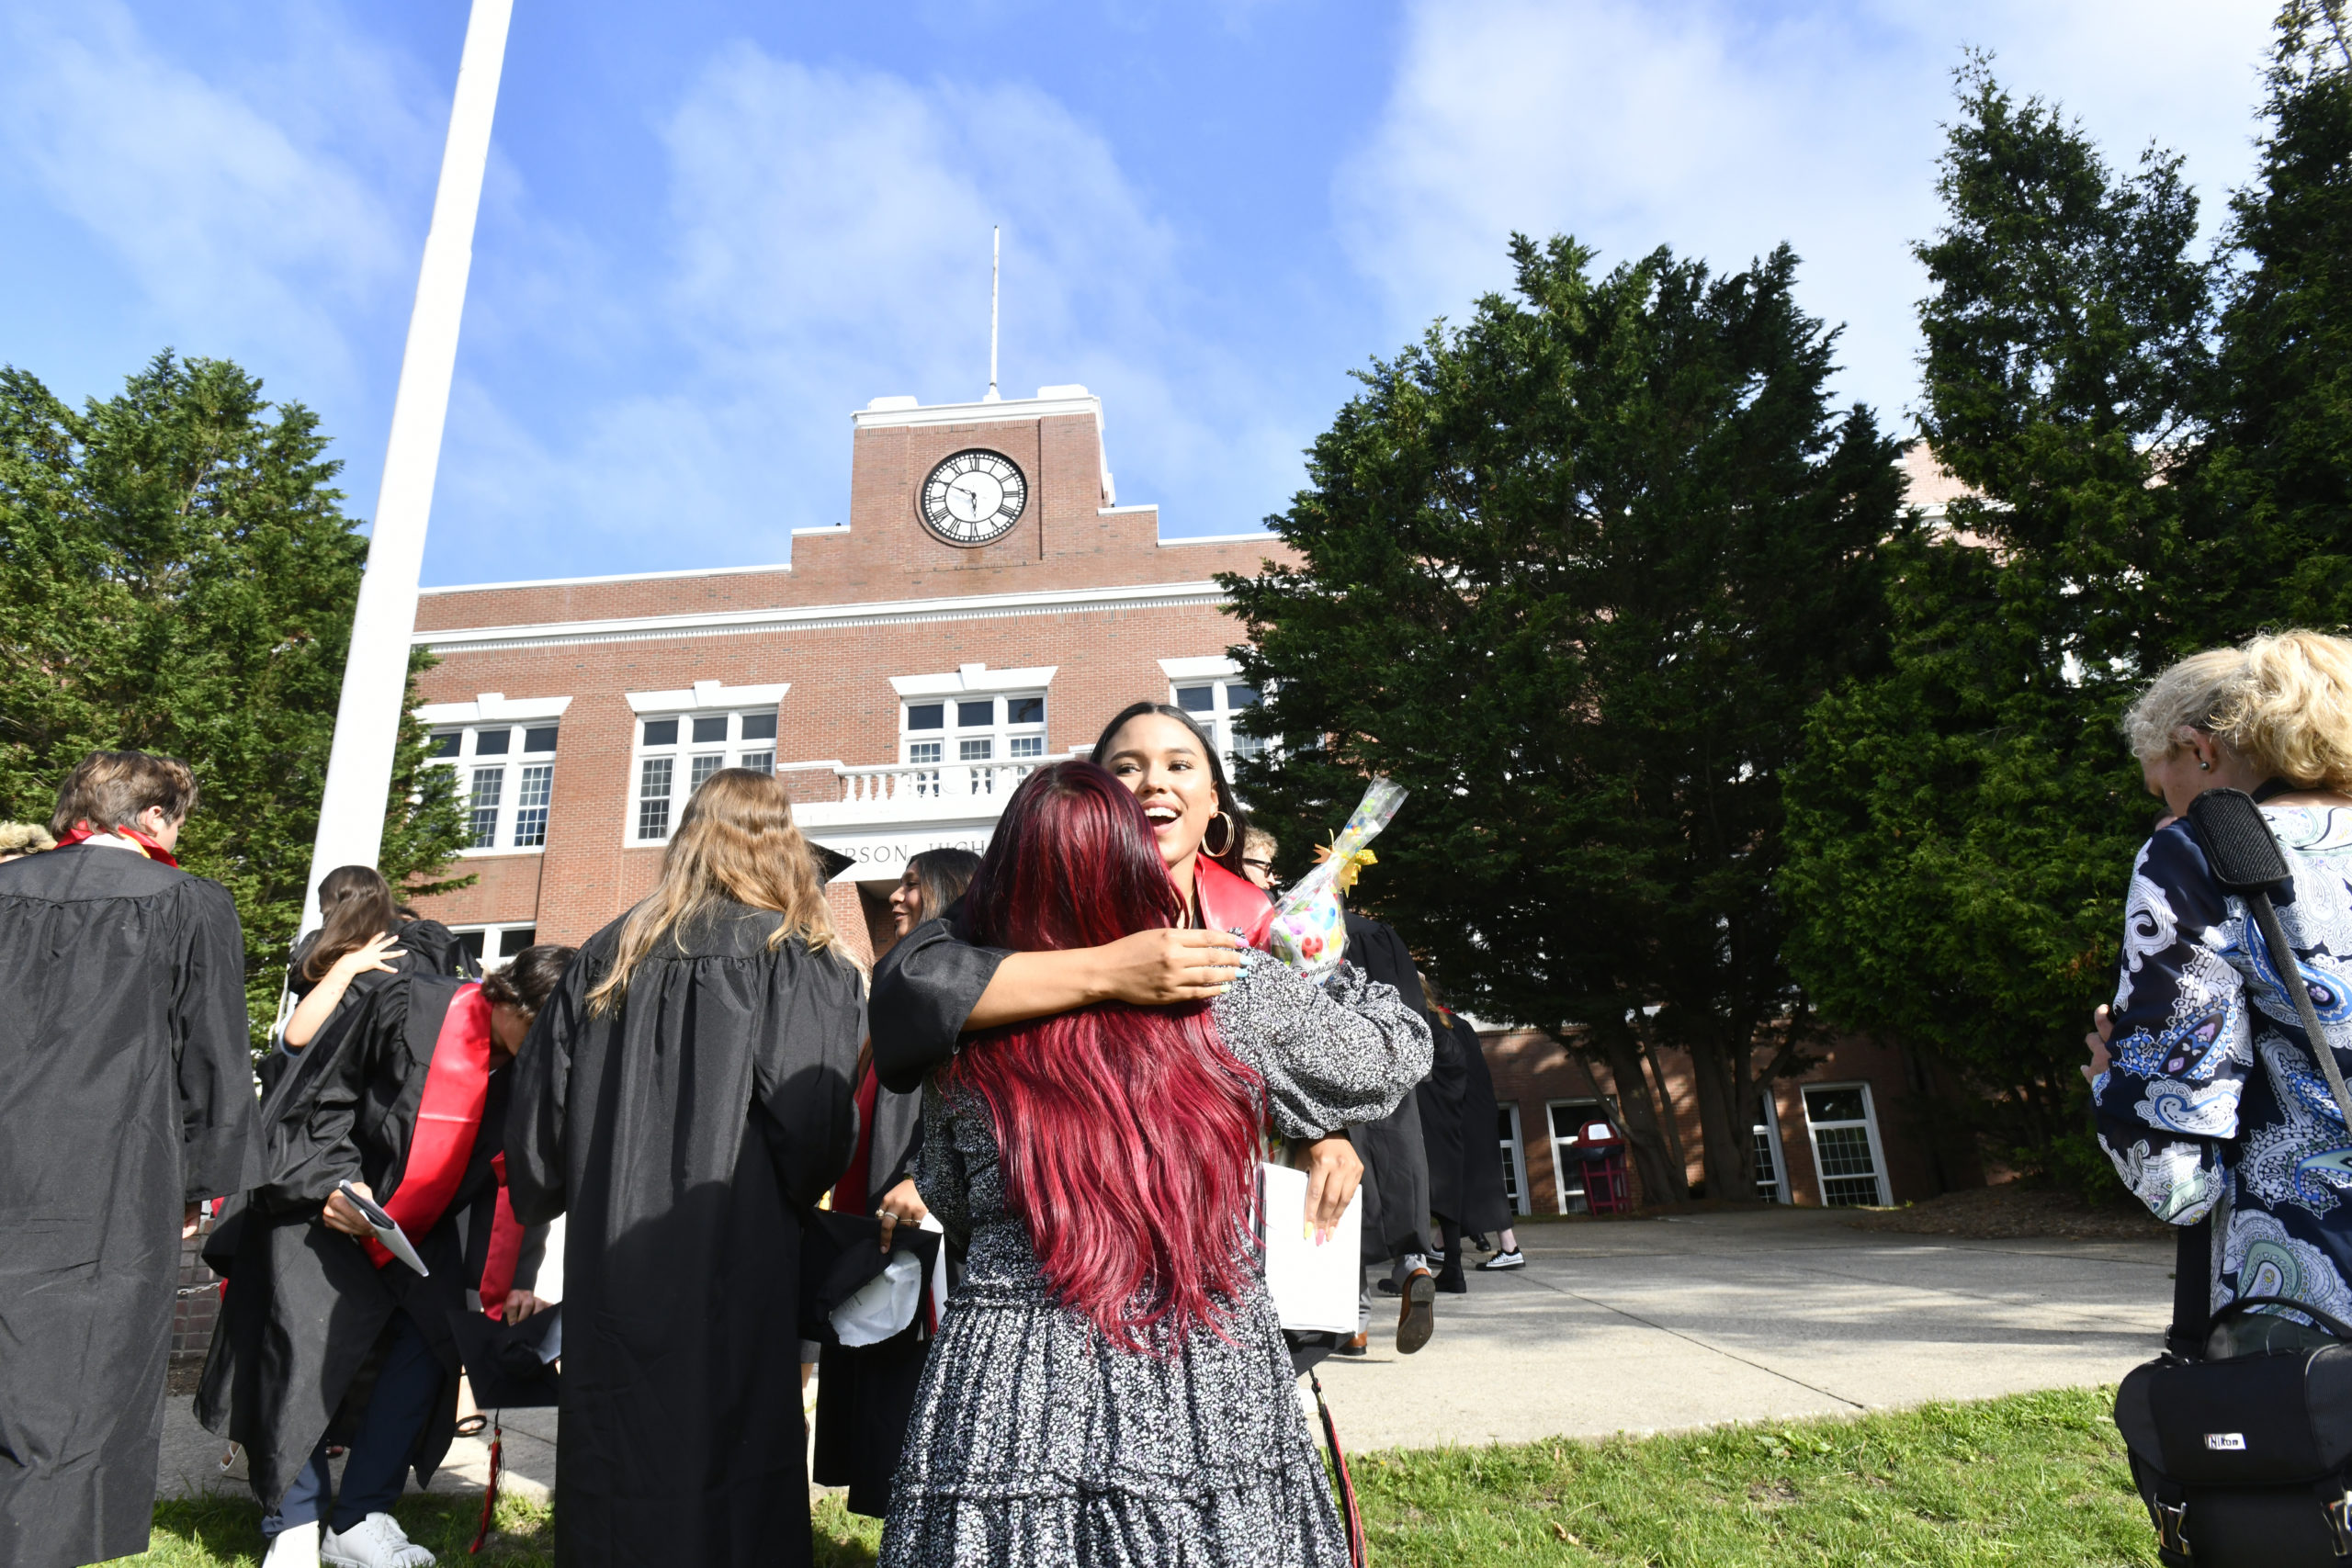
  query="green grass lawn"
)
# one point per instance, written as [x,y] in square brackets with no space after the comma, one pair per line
[2033,1479]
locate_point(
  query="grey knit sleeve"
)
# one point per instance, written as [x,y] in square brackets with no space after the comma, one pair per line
[1331,1055]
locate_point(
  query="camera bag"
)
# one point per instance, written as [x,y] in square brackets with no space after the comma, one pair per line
[2247,1460]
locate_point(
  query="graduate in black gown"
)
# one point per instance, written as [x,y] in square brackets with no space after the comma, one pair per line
[406,1099]
[1396,1162]
[364,934]
[866,1393]
[126,1087]
[685,1097]
[1467,1195]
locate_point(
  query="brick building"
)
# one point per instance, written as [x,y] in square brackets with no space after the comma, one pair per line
[987,605]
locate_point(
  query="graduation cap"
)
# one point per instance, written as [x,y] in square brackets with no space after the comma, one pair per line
[831,863]
[511,1365]
[840,1255]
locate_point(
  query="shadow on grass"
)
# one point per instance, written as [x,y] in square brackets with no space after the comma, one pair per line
[225,1532]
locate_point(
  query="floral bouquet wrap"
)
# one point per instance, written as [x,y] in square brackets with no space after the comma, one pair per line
[1308,931]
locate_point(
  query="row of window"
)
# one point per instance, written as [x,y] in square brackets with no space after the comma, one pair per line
[1839,1121]
[507,772]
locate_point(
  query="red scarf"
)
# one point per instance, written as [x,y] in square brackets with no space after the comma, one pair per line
[457,1083]
[145,845]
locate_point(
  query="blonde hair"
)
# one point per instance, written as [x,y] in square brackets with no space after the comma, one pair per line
[2282,701]
[24,839]
[1258,841]
[736,843]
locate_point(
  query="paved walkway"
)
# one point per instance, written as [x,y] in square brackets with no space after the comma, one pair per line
[1659,1325]
[1652,1325]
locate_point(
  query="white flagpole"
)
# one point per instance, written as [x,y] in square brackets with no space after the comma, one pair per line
[375,675]
[996,263]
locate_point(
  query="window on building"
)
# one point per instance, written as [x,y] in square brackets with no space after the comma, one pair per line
[1569,1119]
[506,780]
[1514,1154]
[1214,705]
[980,733]
[675,753]
[494,947]
[1771,1186]
[1844,1128]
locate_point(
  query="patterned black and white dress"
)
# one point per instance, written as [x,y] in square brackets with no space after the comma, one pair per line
[1036,1442]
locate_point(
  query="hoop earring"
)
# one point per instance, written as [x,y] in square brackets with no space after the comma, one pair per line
[1230,830]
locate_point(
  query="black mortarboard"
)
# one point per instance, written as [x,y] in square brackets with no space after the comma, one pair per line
[508,1363]
[829,863]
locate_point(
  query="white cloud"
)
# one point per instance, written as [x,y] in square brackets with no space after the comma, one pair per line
[825,242]
[252,213]
[1723,130]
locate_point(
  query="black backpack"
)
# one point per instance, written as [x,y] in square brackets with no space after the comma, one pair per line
[2245,1461]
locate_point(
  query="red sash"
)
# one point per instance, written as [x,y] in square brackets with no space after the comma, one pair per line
[1228,903]
[146,846]
[457,1082]
[849,1192]
[505,1249]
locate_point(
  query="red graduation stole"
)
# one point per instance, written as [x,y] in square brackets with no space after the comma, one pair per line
[1228,903]
[147,846]
[505,1248]
[457,1083]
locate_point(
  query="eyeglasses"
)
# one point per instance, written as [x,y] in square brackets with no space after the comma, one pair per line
[1261,864]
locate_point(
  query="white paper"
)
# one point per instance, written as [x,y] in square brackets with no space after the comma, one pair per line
[1314,1287]
[884,1306]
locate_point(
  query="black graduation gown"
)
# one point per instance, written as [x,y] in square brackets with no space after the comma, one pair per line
[866,1393]
[1395,1163]
[1486,1207]
[126,1087]
[427,947]
[306,1306]
[684,1132]
[1443,1122]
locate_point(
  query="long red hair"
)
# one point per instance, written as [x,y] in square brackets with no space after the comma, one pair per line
[1127,1132]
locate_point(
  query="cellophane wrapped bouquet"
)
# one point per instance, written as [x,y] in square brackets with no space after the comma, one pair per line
[1308,931]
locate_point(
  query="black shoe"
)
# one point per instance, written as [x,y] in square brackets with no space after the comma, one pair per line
[1387,1287]
[1450,1280]
[1417,1312]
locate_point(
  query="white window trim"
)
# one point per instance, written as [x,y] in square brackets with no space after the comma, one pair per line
[463,766]
[1869,1128]
[1598,1111]
[1217,673]
[1516,1148]
[490,707]
[1772,1124]
[499,929]
[974,680]
[740,700]
[704,696]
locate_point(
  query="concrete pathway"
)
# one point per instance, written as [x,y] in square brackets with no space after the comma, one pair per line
[1660,1324]
[1650,1326]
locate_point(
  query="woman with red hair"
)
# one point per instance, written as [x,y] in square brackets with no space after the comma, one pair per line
[1110,1384]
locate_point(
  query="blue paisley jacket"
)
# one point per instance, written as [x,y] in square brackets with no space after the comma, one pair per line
[2212,1103]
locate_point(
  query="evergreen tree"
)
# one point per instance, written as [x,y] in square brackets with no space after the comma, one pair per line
[1573,573]
[1962,825]
[180,577]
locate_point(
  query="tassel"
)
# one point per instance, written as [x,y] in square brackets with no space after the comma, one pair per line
[490,1492]
[1359,1551]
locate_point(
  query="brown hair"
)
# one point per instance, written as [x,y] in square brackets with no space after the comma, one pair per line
[526,982]
[354,908]
[943,874]
[736,843]
[113,789]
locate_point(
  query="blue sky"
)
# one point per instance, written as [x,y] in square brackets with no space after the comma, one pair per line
[713,229]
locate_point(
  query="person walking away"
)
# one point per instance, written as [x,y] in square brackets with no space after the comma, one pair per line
[1396,1168]
[1442,1098]
[126,1087]
[864,1393]
[2201,1076]
[1485,1206]
[685,1096]
[1110,1384]
[407,1103]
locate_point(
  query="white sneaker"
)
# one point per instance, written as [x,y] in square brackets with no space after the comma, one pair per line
[1514,1259]
[295,1546]
[376,1541]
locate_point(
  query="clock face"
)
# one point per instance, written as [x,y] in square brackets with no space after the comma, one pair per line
[974,497]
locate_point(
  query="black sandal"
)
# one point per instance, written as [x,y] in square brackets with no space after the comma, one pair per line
[473,1426]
